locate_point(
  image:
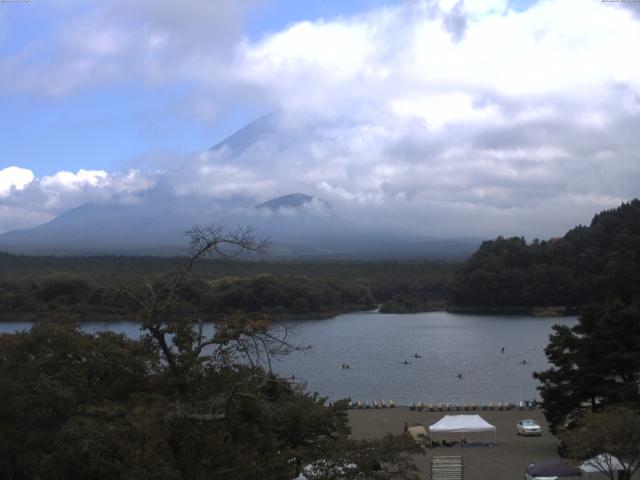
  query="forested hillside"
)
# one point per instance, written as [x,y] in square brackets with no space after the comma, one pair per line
[84,288]
[589,264]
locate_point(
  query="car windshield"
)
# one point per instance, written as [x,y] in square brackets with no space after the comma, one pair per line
[529,423]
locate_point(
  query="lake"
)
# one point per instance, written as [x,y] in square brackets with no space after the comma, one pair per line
[375,345]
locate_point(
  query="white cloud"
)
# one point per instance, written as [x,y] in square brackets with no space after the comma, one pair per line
[451,117]
[512,115]
[73,181]
[14,178]
[439,110]
[563,46]
[26,201]
[118,41]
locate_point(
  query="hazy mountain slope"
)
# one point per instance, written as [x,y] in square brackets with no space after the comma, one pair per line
[293,200]
[111,228]
[157,227]
[298,224]
[247,136]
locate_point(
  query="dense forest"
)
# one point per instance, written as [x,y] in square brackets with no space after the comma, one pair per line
[175,404]
[589,264]
[590,394]
[85,288]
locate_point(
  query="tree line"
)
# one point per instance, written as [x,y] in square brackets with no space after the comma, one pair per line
[277,296]
[589,264]
[88,288]
[591,392]
[176,404]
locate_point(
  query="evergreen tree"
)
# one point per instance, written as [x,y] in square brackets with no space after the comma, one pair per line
[595,363]
[589,264]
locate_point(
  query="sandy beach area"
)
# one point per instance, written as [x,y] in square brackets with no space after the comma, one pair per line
[507,460]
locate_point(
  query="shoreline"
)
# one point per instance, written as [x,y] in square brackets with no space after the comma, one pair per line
[554,311]
[559,312]
[37,317]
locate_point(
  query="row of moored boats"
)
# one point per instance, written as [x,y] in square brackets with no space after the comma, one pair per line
[446,406]
[453,407]
[374,404]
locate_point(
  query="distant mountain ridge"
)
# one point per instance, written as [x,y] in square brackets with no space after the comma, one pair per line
[156,227]
[299,225]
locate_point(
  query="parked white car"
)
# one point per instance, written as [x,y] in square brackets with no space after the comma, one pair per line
[528,427]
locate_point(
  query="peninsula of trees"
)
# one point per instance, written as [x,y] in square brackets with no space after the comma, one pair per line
[589,264]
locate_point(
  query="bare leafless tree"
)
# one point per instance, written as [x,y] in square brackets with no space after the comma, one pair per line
[180,335]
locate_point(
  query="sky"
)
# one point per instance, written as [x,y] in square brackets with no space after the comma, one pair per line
[465,118]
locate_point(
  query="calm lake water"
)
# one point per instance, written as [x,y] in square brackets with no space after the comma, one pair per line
[375,345]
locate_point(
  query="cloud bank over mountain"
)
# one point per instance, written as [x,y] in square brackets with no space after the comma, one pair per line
[450,117]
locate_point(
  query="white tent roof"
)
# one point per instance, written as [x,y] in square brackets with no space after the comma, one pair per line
[461,423]
[603,462]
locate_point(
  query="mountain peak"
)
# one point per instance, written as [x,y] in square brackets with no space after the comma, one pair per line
[247,136]
[293,200]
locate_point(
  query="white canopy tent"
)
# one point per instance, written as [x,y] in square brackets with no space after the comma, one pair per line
[462,424]
[602,463]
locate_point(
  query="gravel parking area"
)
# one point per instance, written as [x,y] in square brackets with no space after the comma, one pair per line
[507,460]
